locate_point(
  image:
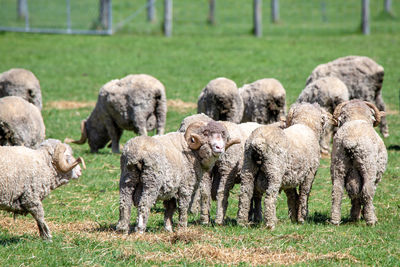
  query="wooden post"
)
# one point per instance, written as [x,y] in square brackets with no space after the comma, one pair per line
[365,17]
[167,18]
[211,14]
[257,15]
[275,11]
[388,6]
[151,11]
[21,9]
[103,14]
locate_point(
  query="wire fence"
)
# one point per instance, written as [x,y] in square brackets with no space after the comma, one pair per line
[232,17]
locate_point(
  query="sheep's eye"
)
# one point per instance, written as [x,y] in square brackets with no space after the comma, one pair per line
[192,139]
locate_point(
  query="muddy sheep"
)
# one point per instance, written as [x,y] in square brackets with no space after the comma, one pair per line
[220,100]
[282,159]
[21,123]
[168,168]
[136,103]
[363,78]
[328,92]
[27,176]
[22,83]
[359,159]
[264,101]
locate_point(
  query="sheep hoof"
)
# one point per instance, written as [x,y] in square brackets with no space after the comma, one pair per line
[371,223]
[334,222]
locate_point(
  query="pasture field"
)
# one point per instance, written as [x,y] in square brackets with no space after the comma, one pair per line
[82,215]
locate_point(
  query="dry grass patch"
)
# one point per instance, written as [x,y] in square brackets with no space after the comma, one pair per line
[173,104]
[234,256]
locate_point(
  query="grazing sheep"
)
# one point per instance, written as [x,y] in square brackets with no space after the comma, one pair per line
[264,101]
[169,168]
[359,159]
[277,159]
[328,92]
[220,100]
[27,176]
[21,123]
[22,83]
[136,103]
[362,76]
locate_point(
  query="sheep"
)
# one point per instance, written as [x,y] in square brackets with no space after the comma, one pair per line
[225,173]
[220,100]
[264,101]
[363,78]
[21,123]
[169,168]
[27,176]
[136,102]
[281,159]
[22,83]
[328,92]
[359,159]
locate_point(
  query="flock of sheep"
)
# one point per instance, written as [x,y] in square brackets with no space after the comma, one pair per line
[239,136]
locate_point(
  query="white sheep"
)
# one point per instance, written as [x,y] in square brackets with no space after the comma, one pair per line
[264,101]
[169,168]
[22,83]
[136,103]
[362,76]
[220,100]
[27,176]
[21,123]
[359,159]
[277,159]
[328,92]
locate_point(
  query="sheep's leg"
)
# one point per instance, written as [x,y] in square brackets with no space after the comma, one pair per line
[338,173]
[271,195]
[36,209]
[226,184]
[326,140]
[149,197]
[125,205]
[355,212]
[247,177]
[183,202]
[384,128]
[205,196]
[367,194]
[161,112]
[170,207]
[115,133]
[304,193]
[293,202]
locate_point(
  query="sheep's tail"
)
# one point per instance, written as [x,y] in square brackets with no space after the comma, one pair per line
[161,111]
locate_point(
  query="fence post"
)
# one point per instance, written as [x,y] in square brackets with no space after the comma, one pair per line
[388,6]
[211,14]
[167,18]
[275,11]
[365,17]
[151,12]
[257,15]
[68,16]
[21,8]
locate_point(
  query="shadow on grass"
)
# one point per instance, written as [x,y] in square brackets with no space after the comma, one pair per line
[318,218]
[6,241]
[394,147]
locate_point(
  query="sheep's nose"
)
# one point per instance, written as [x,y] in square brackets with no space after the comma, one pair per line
[219,147]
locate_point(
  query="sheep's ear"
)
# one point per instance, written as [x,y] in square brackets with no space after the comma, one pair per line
[382,113]
[232,142]
[282,121]
[194,141]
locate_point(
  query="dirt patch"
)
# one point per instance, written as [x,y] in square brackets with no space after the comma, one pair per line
[173,104]
[180,106]
[68,105]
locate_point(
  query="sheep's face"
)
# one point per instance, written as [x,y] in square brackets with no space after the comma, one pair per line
[96,134]
[76,172]
[209,141]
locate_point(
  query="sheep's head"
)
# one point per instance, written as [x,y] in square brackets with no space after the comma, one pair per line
[66,166]
[311,115]
[208,140]
[94,132]
[357,110]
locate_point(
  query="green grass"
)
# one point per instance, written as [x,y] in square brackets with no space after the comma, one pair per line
[83,214]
